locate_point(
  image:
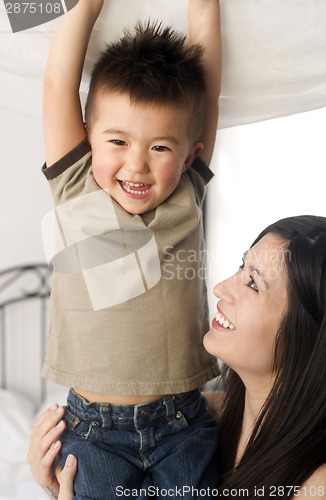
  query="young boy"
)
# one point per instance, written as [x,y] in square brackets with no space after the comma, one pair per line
[129,306]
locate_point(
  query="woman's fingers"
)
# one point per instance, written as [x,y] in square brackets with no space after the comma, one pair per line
[46,430]
[52,436]
[57,469]
[49,458]
[41,468]
[47,420]
[67,479]
[45,447]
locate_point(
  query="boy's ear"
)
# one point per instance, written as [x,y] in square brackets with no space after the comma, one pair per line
[195,151]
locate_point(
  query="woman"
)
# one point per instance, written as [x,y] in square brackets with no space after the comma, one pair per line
[273,427]
[270,331]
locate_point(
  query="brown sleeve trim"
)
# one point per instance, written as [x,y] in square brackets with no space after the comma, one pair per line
[202,169]
[67,161]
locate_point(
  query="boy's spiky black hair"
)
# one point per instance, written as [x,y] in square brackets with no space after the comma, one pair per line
[152,64]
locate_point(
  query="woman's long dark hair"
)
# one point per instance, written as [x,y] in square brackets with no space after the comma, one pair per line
[288,442]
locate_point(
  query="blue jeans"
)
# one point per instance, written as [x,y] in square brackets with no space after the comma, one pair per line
[162,449]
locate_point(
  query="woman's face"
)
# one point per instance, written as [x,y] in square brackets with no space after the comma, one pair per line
[252,304]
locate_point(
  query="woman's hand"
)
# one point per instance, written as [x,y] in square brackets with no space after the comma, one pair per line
[44,451]
[215,403]
[66,479]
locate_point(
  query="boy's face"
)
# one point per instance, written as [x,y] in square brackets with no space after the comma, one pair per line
[140,151]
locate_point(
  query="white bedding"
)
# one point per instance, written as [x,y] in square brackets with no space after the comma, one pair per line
[273,54]
[17,413]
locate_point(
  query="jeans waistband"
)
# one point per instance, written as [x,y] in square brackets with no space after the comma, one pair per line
[170,406]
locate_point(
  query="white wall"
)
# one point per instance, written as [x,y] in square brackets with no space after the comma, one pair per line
[264,172]
[24,194]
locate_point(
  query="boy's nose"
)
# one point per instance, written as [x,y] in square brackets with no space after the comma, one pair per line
[138,164]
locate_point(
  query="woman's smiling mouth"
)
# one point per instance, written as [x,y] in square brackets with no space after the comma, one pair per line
[221,321]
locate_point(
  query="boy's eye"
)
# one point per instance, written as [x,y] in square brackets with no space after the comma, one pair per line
[118,142]
[252,284]
[161,148]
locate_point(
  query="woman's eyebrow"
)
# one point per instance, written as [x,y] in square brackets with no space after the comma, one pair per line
[244,256]
[260,274]
[254,269]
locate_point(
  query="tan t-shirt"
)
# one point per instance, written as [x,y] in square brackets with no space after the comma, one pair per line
[128,304]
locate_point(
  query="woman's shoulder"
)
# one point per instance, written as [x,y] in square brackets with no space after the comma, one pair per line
[215,402]
[315,486]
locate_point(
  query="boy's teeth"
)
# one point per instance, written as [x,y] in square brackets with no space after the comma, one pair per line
[128,185]
[223,322]
[133,184]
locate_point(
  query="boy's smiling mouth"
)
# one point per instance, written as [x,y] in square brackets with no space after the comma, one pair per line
[135,189]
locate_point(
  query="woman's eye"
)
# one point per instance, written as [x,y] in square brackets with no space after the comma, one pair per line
[160,148]
[252,284]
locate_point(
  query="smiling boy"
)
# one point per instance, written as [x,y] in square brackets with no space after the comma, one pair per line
[128,189]
[140,166]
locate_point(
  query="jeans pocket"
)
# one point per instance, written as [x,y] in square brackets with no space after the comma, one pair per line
[174,426]
[86,429]
[72,421]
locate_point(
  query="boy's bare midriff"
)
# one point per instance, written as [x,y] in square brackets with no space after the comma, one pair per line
[114,399]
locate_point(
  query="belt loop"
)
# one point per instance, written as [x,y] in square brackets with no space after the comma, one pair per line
[169,407]
[106,416]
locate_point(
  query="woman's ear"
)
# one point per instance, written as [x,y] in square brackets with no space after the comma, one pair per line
[195,151]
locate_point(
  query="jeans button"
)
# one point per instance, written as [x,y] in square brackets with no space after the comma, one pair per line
[178,414]
[145,413]
[95,424]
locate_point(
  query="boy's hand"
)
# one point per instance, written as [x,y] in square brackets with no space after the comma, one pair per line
[204,29]
[62,114]
[44,450]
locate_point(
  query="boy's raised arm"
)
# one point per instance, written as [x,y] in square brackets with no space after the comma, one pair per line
[62,114]
[204,29]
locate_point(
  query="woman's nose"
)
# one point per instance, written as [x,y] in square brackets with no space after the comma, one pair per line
[226,289]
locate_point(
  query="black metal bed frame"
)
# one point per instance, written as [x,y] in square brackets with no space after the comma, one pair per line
[13,283]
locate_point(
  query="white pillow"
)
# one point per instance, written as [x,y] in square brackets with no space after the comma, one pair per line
[16,417]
